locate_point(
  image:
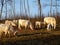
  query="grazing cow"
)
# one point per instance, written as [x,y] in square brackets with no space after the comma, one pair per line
[38,24]
[7,22]
[49,27]
[23,23]
[50,20]
[16,22]
[6,29]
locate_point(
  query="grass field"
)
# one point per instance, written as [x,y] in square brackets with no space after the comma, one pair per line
[33,37]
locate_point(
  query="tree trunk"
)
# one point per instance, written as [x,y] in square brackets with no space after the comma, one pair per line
[50,8]
[39,7]
[56,9]
[6,11]
[28,10]
[25,8]
[20,8]
[2,3]
[14,9]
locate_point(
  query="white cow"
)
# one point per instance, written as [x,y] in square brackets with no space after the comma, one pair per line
[7,22]
[50,20]
[23,23]
[49,27]
[38,24]
[16,22]
[6,29]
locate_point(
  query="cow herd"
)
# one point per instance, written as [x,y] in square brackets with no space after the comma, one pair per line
[8,26]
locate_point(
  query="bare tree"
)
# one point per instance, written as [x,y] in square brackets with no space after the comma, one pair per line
[20,7]
[50,8]
[2,4]
[8,3]
[39,7]
[6,10]
[28,10]
[56,7]
[25,8]
[51,5]
[14,9]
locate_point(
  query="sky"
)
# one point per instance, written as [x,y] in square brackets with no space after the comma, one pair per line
[34,8]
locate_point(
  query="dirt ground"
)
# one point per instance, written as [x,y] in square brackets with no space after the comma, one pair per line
[33,37]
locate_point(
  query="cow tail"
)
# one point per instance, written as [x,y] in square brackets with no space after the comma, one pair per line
[17,23]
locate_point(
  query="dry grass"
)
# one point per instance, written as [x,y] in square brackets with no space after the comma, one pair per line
[33,36]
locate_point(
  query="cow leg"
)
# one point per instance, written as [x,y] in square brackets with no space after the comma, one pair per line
[15,33]
[49,27]
[9,34]
[0,34]
[31,27]
[19,27]
[54,27]
[26,26]
[5,34]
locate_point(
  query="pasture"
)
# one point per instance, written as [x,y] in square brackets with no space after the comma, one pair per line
[39,36]
[33,37]
[29,22]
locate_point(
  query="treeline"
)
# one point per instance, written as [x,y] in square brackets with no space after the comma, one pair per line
[33,19]
[8,10]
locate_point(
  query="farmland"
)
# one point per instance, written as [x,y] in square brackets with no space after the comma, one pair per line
[32,10]
[33,37]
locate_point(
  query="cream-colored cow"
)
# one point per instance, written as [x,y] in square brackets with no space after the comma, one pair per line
[7,22]
[50,20]
[7,29]
[38,24]
[24,23]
